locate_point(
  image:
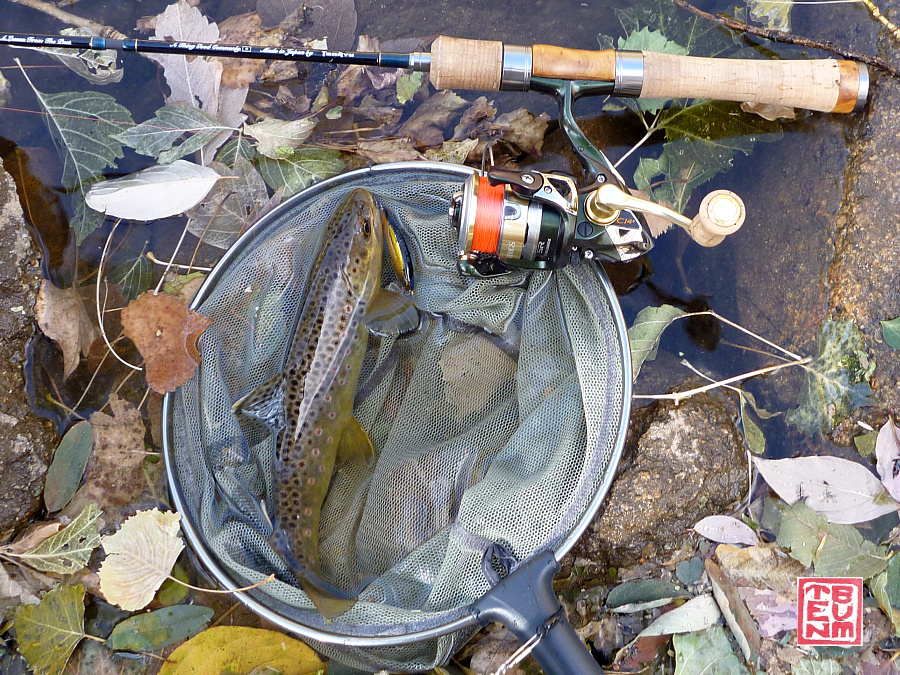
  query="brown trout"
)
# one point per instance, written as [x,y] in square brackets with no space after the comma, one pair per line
[310,403]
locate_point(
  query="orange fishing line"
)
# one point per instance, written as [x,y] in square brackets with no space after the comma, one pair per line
[488,217]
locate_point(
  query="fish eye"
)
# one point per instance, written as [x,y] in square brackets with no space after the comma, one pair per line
[367,228]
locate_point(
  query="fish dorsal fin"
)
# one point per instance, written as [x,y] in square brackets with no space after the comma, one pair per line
[265,404]
[355,446]
[391,314]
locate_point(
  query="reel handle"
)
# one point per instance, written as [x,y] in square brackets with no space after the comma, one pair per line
[826,85]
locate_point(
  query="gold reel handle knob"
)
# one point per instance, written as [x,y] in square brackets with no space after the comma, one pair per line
[721,213]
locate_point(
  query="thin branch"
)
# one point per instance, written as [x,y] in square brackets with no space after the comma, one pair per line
[99,310]
[269,578]
[789,38]
[69,18]
[882,18]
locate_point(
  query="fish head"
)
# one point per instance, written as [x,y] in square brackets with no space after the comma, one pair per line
[362,224]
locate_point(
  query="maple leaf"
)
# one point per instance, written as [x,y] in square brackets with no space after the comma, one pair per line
[165,331]
[63,318]
[139,557]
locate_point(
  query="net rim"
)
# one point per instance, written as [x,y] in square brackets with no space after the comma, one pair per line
[176,490]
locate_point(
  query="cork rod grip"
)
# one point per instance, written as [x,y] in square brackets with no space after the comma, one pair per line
[827,85]
[466,64]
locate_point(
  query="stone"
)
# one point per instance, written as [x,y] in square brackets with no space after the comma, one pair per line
[681,463]
[26,441]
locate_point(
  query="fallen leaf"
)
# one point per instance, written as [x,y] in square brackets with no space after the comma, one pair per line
[247,29]
[184,286]
[646,331]
[165,332]
[454,152]
[890,331]
[846,492]
[97,66]
[641,592]
[706,652]
[887,452]
[67,467]
[738,618]
[231,206]
[726,530]
[425,126]
[139,558]
[155,630]
[696,614]
[134,275]
[774,612]
[68,550]
[521,129]
[770,111]
[62,317]
[48,633]
[479,111]
[33,536]
[277,138]
[299,170]
[809,666]
[333,20]
[837,381]
[240,650]
[763,566]
[192,80]
[156,192]
[774,14]
[879,587]
[14,592]
[389,150]
[865,443]
[157,136]
[689,571]
[114,476]
[384,115]
[835,550]
[492,649]
[407,85]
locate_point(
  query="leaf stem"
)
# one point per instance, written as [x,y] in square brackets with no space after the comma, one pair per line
[156,261]
[99,312]
[269,578]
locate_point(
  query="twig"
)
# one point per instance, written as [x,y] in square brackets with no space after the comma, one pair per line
[882,18]
[99,310]
[156,261]
[789,38]
[69,18]
[269,578]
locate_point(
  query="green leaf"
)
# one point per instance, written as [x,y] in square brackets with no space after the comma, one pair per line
[300,169]
[892,581]
[407,86]
[649,41]
[890,330]
[865,443]
[135,276]
[157,136]
[67,467]
[155,630]
[82,125]
[228,153]
[645,333]
[754,436]
[644,590]
[878,586]
[48,632]
[774,15]
[721,123]
[707,652]
[836,382]
[816,667]
[697,35]
[68,550]
[84,219]
[834,550]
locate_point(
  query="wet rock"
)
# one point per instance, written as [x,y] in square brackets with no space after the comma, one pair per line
[26,441]
[681,463]
[865,274]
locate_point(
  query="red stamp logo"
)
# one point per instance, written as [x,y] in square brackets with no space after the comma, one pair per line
[829,611]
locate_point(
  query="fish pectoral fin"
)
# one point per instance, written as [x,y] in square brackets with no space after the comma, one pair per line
[391,314]
[329,604]
[355,446]
[265,404]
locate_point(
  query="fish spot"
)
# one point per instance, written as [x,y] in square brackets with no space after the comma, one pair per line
[318,432]
[309,512]
[312,480]
[301,465]
[315,451]
[331,415]
[330,439]
[341,381]
[309,533]
[327,397]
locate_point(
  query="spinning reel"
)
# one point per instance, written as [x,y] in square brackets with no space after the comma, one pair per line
[529,219]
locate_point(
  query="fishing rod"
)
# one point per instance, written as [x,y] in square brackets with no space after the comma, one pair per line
[825,85]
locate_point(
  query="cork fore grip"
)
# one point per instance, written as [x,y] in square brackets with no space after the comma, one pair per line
[466,64]
[826,85]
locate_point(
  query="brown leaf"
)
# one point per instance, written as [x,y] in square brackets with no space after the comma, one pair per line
[113,476]
[33,536]
[246,29]
[770,111]
[521,129]
[389,150]
[761,566]
[385,115]
[331,19]
[657,224]
[478,112]
[736,614]
[425,126]
[165,331]
[63,317]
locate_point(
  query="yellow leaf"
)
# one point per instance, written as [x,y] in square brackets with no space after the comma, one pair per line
[240,650]
[139,557]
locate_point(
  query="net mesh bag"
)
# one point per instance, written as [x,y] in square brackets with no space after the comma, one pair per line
[496,423]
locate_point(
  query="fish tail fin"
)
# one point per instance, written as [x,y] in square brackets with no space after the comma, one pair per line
[263,405]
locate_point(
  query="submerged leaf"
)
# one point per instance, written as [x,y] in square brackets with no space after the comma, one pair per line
[155,630]
[157,192]
[890,330]
[300,169]
[114,476]
[84,219]
[774,612]
[165,332]
[242,650]
[63,317]
[846,492]
[407,86]
[279,138]
[775,15]
[645,333]
[157,136]
[139,558]
[135,276]
[67,467]
[696,614]
[97,66]
[70,549]
[707,652]
[726,530]
[887,452]
[48,632]
[649,41]
[837,381]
